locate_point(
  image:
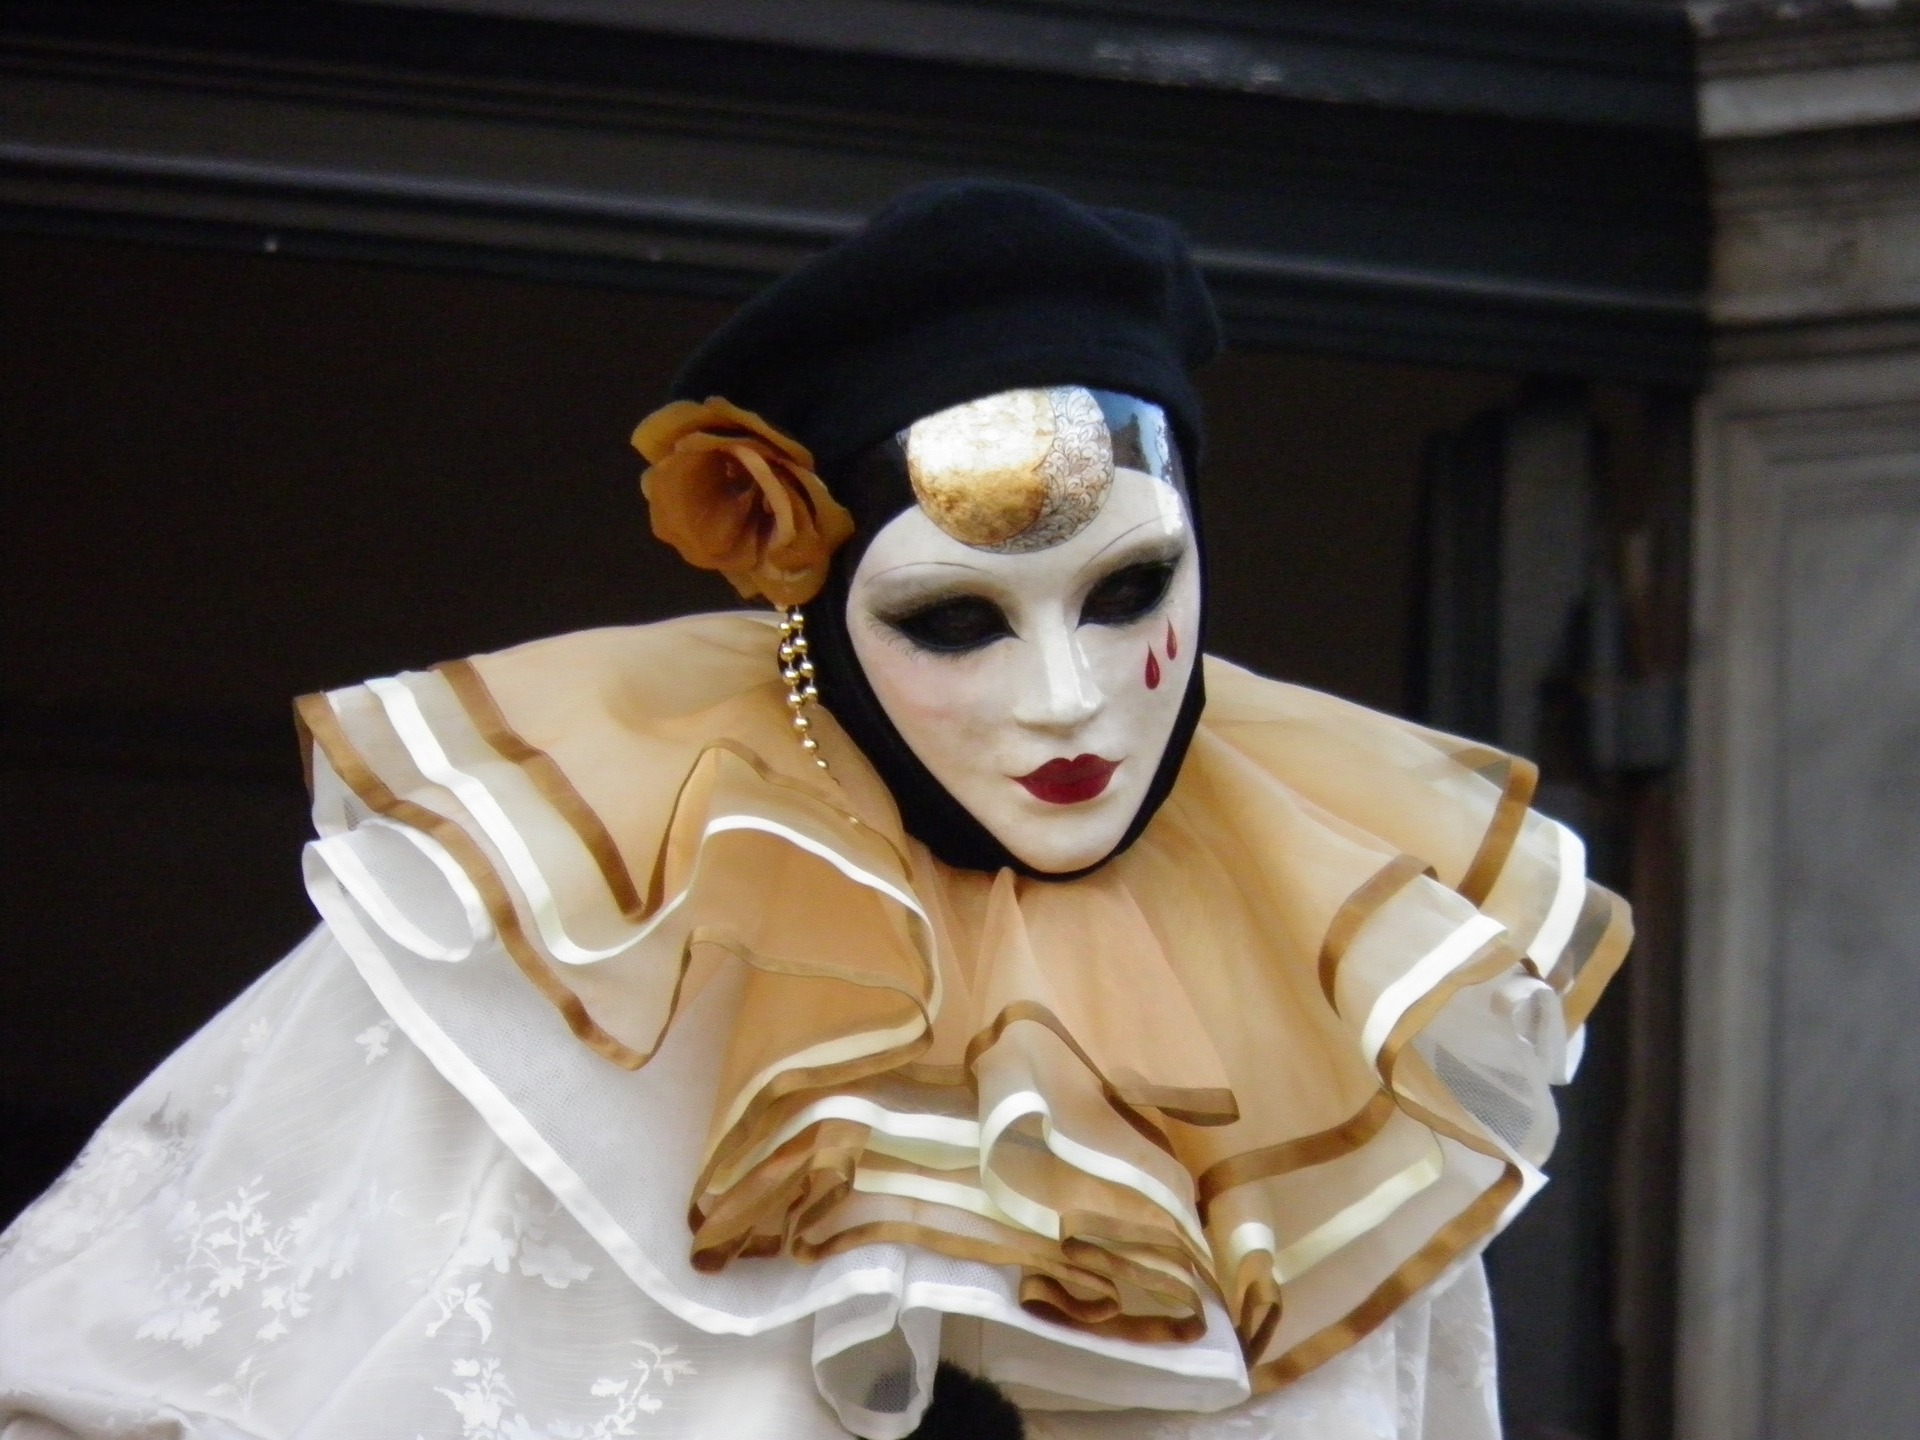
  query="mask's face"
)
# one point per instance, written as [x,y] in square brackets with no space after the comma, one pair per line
[1039,688]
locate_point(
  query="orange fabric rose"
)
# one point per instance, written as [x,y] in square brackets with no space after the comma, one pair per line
[731,493]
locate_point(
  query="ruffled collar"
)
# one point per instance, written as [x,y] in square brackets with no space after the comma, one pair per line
[1275,1068]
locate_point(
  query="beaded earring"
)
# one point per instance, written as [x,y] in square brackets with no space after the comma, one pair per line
[797,670]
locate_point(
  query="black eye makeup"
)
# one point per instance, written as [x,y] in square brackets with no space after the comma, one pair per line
[950,620]
[952,626]
[1130,593]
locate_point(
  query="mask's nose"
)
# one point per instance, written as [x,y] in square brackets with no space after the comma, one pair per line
[1057,686]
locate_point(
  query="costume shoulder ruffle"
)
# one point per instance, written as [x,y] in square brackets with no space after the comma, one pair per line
[1200,1120]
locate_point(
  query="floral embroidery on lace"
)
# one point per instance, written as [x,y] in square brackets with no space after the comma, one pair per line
[452,1300]
[236,1261]
[484,1399]
[374,1040]
[122,1164]
[1464,1357]
[524,1241]
[488,1409]
[125,1162]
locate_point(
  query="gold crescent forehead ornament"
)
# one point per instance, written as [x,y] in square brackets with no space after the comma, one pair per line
[1014,472]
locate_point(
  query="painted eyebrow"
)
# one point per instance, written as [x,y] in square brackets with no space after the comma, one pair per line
[904,595]
[926,565]
[1166,548]
[1163,548]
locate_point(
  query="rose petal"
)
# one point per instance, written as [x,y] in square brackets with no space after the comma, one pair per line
[730,493]
[702,513]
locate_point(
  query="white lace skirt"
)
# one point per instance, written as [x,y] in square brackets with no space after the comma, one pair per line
[295,1227]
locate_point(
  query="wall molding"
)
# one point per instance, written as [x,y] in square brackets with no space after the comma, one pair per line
[1389,221]
[1817,226]
[1579,61]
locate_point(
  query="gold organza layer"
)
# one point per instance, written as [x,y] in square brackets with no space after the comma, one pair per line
[1211,1067]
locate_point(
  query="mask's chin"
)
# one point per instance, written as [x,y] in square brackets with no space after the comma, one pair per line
[1061,835]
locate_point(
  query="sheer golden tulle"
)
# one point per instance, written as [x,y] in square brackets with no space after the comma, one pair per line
[1283,1051]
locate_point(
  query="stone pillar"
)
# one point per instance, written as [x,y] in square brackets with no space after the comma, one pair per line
[1800,1233]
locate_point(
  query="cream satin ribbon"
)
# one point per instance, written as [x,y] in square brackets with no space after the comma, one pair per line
[1569,895]
[423,747]
[342,857]
[1421,977]
[1333,1234]
[1038,1218]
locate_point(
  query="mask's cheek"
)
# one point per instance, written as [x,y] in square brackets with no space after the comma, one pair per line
[1178,627]
[1143,668]
[1115,659]
[940,704]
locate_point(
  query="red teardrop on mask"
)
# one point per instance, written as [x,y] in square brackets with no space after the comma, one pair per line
[1173,643]
[1153,672]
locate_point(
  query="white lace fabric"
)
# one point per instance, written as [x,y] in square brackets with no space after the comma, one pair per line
[297,1227]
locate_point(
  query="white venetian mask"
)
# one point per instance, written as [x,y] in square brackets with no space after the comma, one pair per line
[1037,676]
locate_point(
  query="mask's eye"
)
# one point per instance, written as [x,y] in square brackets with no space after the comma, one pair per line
[965,622]
[1128,594]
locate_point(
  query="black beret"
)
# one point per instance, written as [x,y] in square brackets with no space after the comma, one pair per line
[958,289]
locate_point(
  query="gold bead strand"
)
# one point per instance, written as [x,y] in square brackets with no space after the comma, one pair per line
[797,670]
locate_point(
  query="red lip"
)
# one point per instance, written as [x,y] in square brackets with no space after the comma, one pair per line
[1069,782]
